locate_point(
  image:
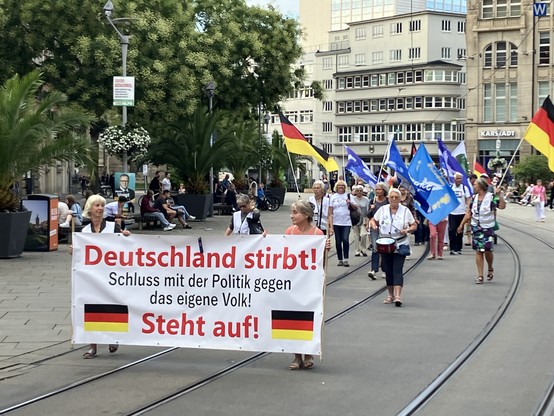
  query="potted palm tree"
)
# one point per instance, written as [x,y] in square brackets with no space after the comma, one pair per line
[36,131]
[186,148]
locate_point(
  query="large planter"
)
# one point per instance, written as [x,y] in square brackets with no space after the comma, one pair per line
[14,226]
[279,193]
[197,205]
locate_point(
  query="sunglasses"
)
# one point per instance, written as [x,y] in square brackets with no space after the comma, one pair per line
[243,206]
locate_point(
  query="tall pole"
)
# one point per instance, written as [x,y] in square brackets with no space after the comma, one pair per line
[124,42]
[210,91]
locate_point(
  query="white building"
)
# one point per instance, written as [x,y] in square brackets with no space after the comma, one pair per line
[399,76]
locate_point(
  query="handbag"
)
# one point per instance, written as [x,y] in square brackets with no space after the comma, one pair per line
[255,226]
[535,199]
[403,250]
[355,214]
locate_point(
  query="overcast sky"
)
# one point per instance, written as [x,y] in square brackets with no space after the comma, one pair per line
[288,7]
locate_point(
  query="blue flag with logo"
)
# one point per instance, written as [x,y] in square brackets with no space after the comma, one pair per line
[451,166]
[359,168]
[441,199]
[421,194]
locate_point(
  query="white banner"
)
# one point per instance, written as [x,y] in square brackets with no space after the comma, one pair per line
[124,91]
[245,293]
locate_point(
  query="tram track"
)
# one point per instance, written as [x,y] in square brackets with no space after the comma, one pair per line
[83,383]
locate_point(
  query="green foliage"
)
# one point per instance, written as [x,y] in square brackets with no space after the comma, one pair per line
[185,147]
[175,49]
[36,132]
[532,168]
[319,92]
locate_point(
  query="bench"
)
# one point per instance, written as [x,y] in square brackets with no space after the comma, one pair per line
[63,233]
[514,198]
[222,208]
[140,220]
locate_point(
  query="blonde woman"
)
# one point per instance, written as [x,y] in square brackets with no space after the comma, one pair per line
[320,202]
[302,216]
[339,221]
[94,209]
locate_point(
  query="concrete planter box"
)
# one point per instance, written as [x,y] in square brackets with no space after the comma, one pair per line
[14,226]
[279,193]
[197,205]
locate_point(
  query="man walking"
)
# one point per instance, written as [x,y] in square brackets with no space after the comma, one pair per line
[455,218]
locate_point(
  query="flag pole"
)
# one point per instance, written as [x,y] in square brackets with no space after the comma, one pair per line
[511,161]
[293,174]
[384,158]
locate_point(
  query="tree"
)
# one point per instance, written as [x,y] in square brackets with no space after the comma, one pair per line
[176,48]
[532,168]
[36,132]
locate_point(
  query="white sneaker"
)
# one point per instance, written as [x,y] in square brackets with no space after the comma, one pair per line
[168,228]
[345,263]
[172,226]
[371,274]
[192,217]
[384,275]
[65,225]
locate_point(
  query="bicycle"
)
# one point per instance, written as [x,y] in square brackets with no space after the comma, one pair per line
[269,203]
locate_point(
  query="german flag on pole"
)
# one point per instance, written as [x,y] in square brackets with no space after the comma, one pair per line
[478,169]
[295,325]
[540,133]
[297,143]
[106,318]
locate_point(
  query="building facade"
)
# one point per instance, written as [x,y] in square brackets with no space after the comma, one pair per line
[399,77]
[509,74]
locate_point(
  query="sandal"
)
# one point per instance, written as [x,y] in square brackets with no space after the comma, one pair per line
[490,275]
[431,257]
[308,363]
[90,354]
[296,365]
[398,301]
[479,280]
[388,300]
[113,348]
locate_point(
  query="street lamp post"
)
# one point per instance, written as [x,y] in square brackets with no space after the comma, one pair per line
[210,90]
[124,42]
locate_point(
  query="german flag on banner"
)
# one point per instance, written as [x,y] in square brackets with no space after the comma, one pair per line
[540,133]
[106,318]
[295,325]
[297,143]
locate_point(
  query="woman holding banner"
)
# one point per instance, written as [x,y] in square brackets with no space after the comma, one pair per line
[302,216]
[94,209]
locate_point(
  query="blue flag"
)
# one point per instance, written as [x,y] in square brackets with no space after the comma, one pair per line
[359,168]
[421,193]
[441,198]
[451,166]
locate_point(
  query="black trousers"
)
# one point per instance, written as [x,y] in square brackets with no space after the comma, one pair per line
[456,240]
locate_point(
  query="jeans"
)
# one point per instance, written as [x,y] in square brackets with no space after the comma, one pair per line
[181,210]
[342,233]
[157,216]
[374,234]
[392,264]
[456,240]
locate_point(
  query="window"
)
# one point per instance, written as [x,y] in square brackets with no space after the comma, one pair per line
[365,106]
[327,63]
[306,116]
[378,133]
[446,24]
[409,77]
[415,25]
[500,102]
[343,61]
[395,28]
[382,79]
[487,103]
[327,126]
[544,48]
[413,131]
[357,82]
[500,8]
[461,103]
[291,115]
[461,27]
[400,77]
[462,77]
[543,92]
[498,53]
[377,57]
[462,53]
[395,55]
[345,134]
[418,76]
[365,81]
[374,80]
[349,82]
[359,59]
[327,106]
[360,33]
[391,78]
[377,31]
[328,84]
[361,133]
[341,83]
[396,131]
[341,107]
[357,106]
[446,53]
[414,53]
[512,101]
[349,106]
